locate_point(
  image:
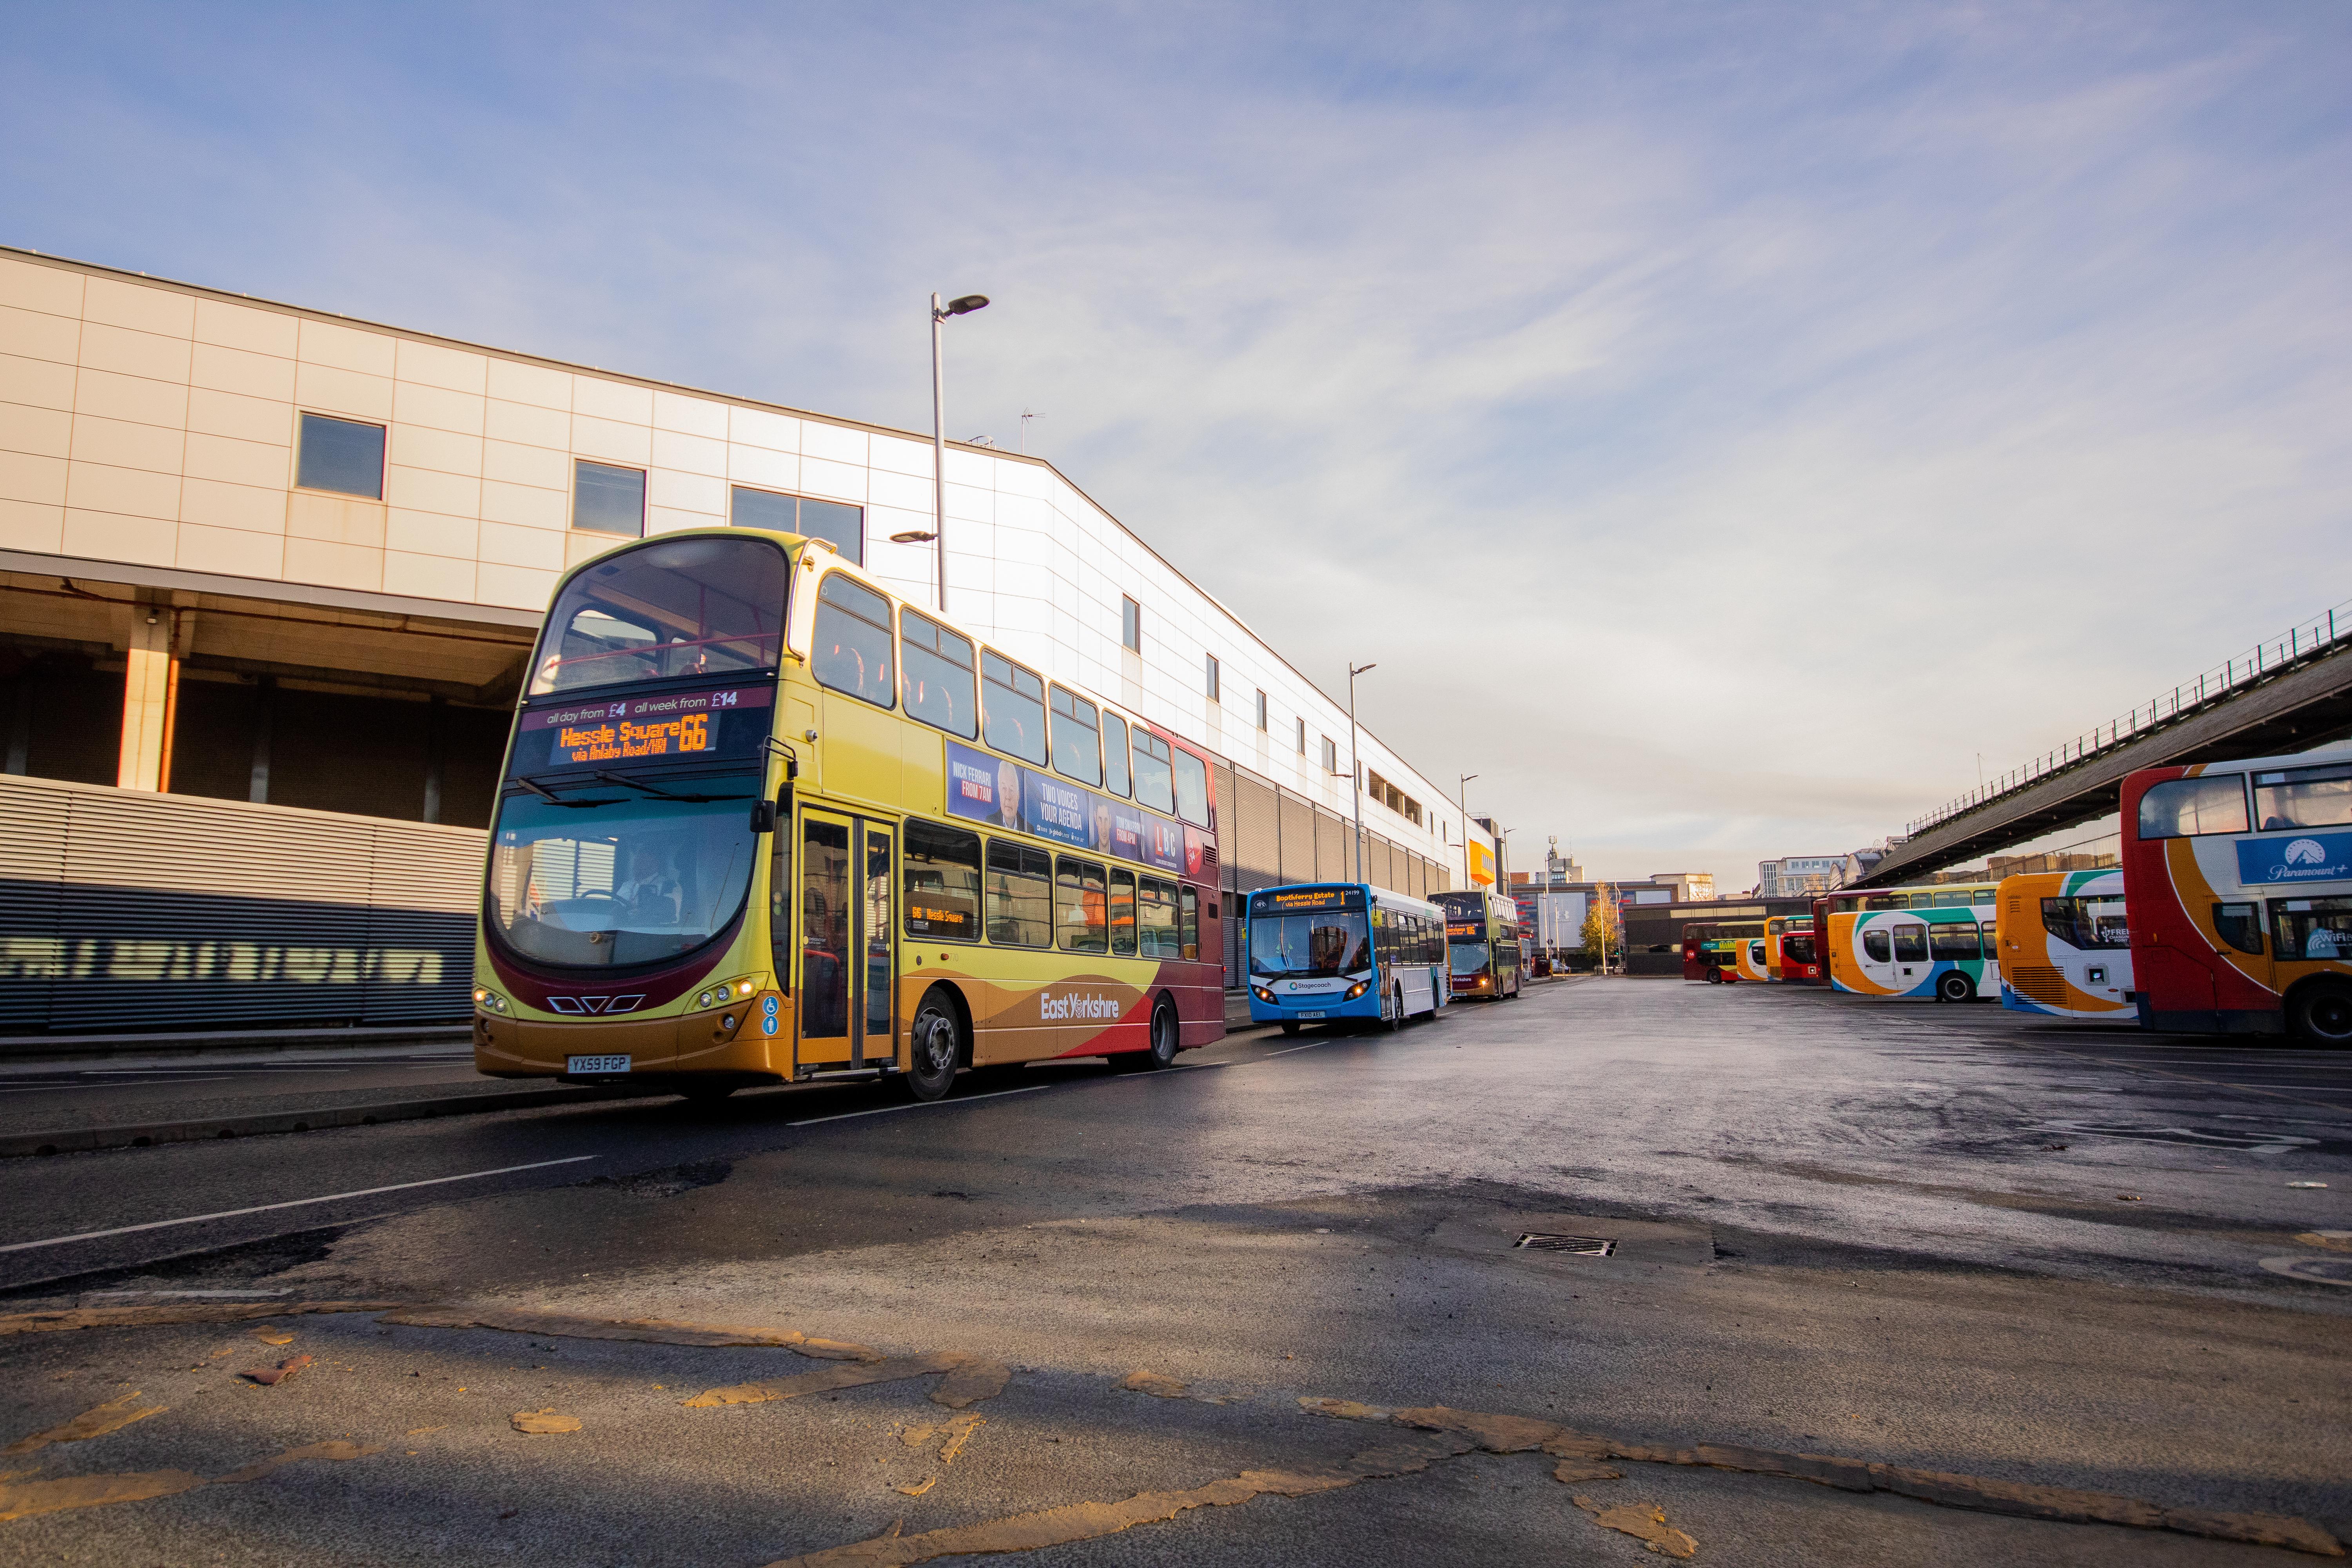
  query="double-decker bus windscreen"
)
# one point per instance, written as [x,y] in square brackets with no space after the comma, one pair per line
[605,876]
[666,611]
[1467,956]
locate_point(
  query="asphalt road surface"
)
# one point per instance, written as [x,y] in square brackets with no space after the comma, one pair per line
[1943,1239]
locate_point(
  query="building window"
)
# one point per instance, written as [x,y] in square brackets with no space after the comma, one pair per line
[342,454]
[1213,685]
[1302,737]
[1330,756]
[1261,710]
[606,500]
[1130,625]
[1395,799]
[843,527]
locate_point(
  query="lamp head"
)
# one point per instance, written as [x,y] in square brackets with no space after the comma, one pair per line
[913,536]
[967,305]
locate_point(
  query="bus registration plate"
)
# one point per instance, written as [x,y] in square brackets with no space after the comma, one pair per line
[596,1064]
[1310,1014]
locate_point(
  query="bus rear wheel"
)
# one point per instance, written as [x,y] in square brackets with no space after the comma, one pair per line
[1160,1052]
[936,1039]
[1955,986]
[2322,1015]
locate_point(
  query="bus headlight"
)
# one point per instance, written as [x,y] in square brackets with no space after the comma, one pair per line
[1261,992]
[488,1001]
[1358,989]
[726,990]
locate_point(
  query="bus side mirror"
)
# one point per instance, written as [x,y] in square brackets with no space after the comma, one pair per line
[763,817]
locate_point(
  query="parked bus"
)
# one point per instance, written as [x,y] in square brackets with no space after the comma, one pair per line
[2239,880]
[1482,943]
[2065,949]
[761,822]
[1325,952]
[1747,960]
[1834,936]
[1935,944]
[1711,949]
[1789,956]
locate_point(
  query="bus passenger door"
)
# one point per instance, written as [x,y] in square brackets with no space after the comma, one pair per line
[1874,956]
[827,946]
[848,943]
[1911,961]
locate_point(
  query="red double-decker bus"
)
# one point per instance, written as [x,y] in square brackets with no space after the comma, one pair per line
[2238,884]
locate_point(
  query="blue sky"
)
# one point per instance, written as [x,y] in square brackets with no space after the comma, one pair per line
[1722,423]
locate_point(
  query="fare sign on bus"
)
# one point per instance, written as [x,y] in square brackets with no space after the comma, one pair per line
[673,724]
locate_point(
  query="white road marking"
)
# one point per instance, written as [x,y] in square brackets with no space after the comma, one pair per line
[919,1104]
[1288,1050]
[292,1203]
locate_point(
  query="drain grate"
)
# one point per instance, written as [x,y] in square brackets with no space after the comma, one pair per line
[1580,1246]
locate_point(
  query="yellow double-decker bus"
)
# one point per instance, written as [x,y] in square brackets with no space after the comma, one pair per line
[761,823]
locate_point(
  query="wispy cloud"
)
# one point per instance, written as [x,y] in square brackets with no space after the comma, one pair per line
[1721,423]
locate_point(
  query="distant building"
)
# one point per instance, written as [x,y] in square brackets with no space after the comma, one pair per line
[1797,876]
[1687,886]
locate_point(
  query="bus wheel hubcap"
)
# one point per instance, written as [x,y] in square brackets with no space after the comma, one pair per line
[939,1044]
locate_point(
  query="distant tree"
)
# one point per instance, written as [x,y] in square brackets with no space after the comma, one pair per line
[1600,927]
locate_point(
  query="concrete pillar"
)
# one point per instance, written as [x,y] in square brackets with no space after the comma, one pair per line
[146,698]
[150,689]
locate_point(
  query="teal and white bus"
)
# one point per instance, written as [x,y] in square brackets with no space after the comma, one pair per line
[1320,952]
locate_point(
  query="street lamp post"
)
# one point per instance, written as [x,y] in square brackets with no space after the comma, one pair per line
[1356,765]
[1461,804]
[963,306]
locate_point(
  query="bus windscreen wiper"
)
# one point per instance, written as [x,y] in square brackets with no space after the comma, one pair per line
[627,783]
[551,798]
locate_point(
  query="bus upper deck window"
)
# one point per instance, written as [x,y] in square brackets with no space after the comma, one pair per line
[1114,747]
[938,666]
[2184,808]
[851,650]
[1078,747]
[2303,798]
[1192,789]
[1155,780]
[1012,708]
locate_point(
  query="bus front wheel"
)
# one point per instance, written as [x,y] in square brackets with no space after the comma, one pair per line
[2322,1015]
[1396,1010]
[1289,1027]
[937,1037]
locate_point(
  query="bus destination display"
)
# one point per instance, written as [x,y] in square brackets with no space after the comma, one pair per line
[725,721]
[1294,899]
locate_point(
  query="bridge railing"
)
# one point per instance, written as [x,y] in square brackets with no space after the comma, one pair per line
[2262,662]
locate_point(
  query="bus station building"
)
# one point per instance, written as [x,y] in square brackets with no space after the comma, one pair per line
[269,578]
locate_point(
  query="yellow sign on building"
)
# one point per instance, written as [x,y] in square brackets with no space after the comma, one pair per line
[1482,864]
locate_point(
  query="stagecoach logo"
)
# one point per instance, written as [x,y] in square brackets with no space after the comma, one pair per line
[1074,1005]
[2318,858]
[593,1004]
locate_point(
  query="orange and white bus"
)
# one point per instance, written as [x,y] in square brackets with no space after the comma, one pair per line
[761,823]
[2239,880]
[2065,949]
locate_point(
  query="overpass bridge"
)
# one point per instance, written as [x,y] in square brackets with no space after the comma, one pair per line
[2282,696]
